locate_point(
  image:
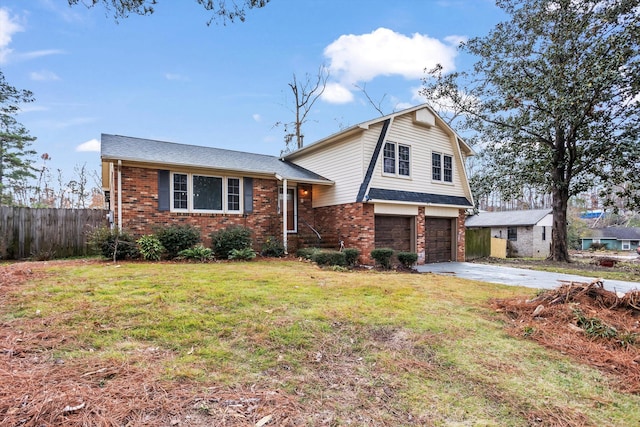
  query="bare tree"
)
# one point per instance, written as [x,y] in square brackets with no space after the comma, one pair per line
[376,106]
[305,94]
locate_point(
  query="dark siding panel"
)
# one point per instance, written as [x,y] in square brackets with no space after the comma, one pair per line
[248,195]
[164,188]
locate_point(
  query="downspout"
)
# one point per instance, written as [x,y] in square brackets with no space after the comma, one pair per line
[120,195]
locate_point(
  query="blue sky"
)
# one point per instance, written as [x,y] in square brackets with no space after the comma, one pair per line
[171,77]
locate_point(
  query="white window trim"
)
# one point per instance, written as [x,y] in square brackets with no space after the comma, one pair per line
[396,147]
[626,245]
[225,194]
[441,180]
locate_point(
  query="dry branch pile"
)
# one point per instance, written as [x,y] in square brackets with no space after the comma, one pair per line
[587,322]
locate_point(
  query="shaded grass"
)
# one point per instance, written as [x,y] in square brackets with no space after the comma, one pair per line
[365,348]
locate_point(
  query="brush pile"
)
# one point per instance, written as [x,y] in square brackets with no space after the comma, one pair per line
[585,321]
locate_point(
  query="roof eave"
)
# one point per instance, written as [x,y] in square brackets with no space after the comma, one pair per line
[269,174]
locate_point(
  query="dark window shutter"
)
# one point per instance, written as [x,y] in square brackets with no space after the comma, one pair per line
[164,188]
[248,195]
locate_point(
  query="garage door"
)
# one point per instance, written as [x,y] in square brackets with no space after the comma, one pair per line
[438,240]
[394,232]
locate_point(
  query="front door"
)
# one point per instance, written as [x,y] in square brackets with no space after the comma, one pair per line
[292,208]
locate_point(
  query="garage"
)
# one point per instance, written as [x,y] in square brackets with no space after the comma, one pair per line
[395,232]
[438,239]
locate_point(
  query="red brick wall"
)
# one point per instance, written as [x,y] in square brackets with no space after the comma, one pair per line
[353,223]
[420,235]
[140,214]
[461,254]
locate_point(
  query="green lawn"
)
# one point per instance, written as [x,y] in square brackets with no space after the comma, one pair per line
[358,348]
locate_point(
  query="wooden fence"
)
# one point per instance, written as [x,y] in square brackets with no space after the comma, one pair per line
[477,243]
[46,233]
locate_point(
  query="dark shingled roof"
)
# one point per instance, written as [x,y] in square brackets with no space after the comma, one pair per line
[116,147]
[507,218]
[408,196]
[619,233]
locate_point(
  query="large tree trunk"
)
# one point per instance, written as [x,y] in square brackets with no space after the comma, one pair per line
[559,249]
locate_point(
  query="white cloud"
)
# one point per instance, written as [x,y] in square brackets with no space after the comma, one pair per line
[8,27]
[361,58]
[92,145]
[174,76]
[383,52]
[38,54]
[336,93]
[43,76]
[257,117]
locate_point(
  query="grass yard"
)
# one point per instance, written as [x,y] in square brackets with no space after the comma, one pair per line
[280,343]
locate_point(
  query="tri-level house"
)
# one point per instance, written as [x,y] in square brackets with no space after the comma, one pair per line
[397,181]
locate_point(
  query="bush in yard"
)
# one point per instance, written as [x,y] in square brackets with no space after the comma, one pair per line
[196,253]
[244,254]
[382,256]
[306,253]
[113,244]
[272,247]
[176,238]
[351,256]
[150,247]
[225,240]
[329,258]
[407,259]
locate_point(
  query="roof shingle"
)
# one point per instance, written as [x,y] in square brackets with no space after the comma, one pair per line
[116,147]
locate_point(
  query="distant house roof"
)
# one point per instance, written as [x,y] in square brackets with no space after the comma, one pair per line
[507,218]
[618,233]
[116,147]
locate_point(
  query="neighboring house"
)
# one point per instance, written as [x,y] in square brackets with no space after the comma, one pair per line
[615,238]
[397,181]
[528,232]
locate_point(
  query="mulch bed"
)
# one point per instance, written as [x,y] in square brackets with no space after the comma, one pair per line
[590,324]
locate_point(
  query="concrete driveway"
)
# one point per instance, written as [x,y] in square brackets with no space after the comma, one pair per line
[516,276]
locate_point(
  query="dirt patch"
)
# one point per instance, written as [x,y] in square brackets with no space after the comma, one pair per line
[583,320]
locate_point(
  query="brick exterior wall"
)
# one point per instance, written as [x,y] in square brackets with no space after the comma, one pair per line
[353,223]
[140,214]
[460,234]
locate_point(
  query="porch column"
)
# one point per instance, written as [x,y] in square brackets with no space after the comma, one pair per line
[284,214]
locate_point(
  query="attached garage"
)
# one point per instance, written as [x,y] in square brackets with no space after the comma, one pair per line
[395,232]
[438,240]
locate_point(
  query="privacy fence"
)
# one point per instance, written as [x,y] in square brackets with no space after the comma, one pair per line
[47,233]
[477,243]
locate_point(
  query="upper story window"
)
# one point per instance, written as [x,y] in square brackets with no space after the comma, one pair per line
[441,167]
[396,159]
[204,193]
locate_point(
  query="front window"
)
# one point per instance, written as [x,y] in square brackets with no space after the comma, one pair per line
[390,158]
[203,193]
[207,193]
[233,194]
[180,191]
[396,157]
[441,167]
[512,233]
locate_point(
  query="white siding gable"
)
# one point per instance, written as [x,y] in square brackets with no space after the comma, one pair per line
[422,141]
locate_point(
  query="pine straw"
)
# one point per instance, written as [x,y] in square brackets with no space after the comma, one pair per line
[36,389]
[555,326]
